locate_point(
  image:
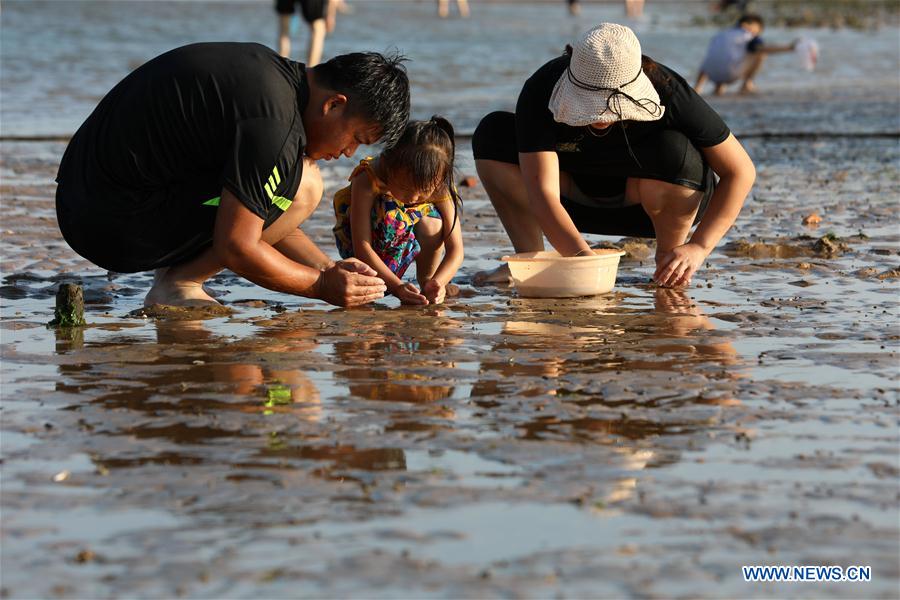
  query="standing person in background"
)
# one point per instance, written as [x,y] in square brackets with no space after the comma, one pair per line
[634,9]
[444,8]
[737,53]
[318,14]
[574,7]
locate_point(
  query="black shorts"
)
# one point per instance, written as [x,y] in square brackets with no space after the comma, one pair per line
[668,157]
[132,231]
[312,10]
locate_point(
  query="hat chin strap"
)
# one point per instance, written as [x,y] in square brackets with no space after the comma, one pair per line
[616,93]
[595,88]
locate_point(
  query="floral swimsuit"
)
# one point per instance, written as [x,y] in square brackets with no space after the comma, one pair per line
[393,222]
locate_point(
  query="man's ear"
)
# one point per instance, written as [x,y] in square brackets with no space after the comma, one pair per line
[336,101]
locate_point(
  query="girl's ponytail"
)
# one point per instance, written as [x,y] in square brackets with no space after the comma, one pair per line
[445,126]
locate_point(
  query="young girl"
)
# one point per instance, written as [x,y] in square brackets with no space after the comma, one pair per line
[403,207]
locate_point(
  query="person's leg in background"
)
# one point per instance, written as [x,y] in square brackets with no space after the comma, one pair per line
[751,67]
[285,10]
[316,14]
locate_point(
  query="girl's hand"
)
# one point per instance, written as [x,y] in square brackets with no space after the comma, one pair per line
[409,294]
[434,291]
[676,267]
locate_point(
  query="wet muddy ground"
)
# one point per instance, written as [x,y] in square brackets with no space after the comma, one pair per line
[647,442]
[643,443]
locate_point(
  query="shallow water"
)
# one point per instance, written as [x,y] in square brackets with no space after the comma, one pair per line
[643,443]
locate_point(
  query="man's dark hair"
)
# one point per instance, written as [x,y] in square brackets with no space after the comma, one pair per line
[751,18]
[376,87]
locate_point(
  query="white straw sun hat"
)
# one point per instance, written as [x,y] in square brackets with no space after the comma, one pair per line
[604,81]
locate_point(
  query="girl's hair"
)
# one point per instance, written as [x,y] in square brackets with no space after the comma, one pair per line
[426,151]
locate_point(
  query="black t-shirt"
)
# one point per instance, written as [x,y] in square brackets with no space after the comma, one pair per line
[191,122]
[536,131]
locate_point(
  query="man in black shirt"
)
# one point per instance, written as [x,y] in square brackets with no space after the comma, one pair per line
[204,159]
[606,141]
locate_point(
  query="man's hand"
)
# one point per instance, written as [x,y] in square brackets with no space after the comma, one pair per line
[676,267]
[409,294]
[349,283]
[434,291]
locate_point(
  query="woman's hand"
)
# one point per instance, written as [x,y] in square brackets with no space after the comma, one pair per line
[409,294]
[676,267]
[435,291]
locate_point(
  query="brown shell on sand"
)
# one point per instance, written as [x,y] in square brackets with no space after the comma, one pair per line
[812,219]
[469,181]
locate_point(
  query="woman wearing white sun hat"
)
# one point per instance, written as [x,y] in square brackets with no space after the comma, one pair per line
[605,140]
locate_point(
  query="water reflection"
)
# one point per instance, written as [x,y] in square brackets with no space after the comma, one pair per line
[600,373]
[404,363]
[189,389]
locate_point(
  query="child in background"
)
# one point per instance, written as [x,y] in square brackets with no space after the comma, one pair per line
[403,207]
[736,53]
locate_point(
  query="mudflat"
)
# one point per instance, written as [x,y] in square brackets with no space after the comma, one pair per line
[646,442]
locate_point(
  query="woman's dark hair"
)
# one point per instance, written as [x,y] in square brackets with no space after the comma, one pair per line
[657,76]
[426,151]
[376,87]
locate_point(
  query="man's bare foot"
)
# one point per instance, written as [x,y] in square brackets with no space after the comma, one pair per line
[498,276]
[178,294]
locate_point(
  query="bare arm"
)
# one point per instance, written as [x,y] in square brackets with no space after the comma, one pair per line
[540,171]
[298,247]
[453,244]
[362,198]
[777,49]
[736,176]
[238,244]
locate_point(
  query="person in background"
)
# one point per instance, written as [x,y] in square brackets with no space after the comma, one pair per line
[402,208]
[574,7]
[607,141]
[444,8]
[737,53]
[204,158]
[634,9]
[318,14]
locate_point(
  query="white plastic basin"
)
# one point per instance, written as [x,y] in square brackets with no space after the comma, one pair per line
[546,274]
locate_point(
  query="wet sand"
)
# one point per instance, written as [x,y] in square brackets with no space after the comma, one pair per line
[642,443]
[616,445]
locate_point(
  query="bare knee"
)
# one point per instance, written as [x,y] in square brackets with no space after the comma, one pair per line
[502,181]
[659,197]
[305,201]
[428,232]
[309,194]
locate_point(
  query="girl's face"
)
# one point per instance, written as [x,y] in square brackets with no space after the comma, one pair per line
[403,188]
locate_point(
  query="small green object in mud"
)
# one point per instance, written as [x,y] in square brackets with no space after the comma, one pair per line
[278,395]
[69,310]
